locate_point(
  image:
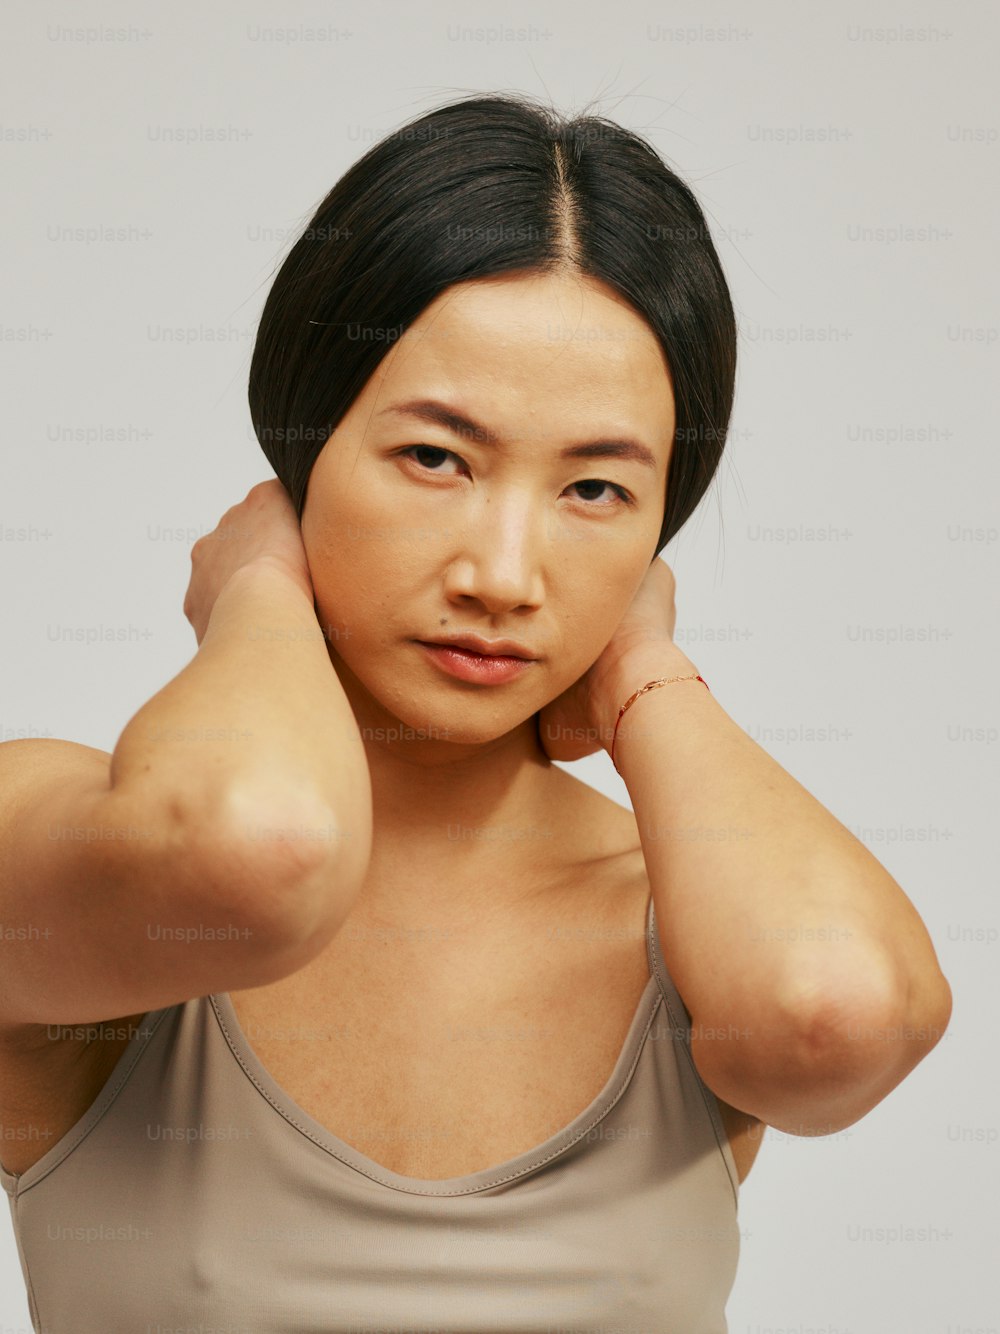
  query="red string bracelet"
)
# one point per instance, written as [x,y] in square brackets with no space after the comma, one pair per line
[650,685]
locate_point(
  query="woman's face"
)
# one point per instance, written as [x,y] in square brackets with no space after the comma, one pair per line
[417,530]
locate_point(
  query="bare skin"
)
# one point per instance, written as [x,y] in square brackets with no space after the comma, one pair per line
[396,1080]
[502,545]
[411,532]
[561,978]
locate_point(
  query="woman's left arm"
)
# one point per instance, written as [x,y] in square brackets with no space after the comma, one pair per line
[812,983]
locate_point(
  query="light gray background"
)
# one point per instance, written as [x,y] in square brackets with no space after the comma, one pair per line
[836,587]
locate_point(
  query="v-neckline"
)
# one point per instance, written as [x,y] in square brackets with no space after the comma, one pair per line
[487,1177]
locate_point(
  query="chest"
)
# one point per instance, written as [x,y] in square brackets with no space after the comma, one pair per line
[444,1071]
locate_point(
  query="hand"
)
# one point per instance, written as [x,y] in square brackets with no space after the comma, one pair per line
[263,526]
[581,720]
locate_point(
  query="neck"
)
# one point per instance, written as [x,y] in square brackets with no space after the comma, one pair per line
[456,824]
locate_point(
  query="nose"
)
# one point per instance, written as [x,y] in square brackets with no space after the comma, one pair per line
[497,559]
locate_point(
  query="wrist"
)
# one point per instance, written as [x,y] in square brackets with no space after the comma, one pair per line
[627,674]
[265,565]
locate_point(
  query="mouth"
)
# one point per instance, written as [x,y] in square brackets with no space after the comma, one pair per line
[481,648]
[495,667]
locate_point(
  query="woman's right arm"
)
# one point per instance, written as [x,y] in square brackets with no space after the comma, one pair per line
[219,847]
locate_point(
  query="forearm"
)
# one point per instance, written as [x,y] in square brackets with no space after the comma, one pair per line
[776,922]
[256,731]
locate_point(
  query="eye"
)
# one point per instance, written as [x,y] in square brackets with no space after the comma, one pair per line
[621,495]
[412,450]
[418,454]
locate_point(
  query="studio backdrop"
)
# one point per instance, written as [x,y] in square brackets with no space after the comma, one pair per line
[837,584]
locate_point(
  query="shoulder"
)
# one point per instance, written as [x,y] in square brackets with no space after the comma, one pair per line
[593,825]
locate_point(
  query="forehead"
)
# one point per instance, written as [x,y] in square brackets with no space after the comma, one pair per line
[527,343]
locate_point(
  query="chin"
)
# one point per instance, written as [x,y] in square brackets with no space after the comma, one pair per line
[465,717]
[409,703]
[471,723]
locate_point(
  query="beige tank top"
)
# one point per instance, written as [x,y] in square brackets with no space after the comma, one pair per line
[194,1194]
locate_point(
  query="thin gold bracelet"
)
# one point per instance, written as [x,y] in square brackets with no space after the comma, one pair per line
[651,685]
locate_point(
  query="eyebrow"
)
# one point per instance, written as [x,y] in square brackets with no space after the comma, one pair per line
[440,414]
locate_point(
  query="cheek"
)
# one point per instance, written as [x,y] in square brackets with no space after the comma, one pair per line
[358,566]
[359,580]
[596,598]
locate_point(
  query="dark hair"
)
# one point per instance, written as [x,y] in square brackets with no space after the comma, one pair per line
[486,185]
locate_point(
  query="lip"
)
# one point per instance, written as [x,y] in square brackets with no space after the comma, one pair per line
[504,648]
[469,665]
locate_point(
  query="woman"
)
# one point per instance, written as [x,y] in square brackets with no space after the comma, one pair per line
[374,1017]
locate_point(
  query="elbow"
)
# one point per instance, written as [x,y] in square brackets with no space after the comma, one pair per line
[831,1049]
[856,1044]
[876,1013]
[288,869]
